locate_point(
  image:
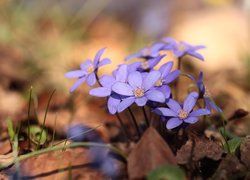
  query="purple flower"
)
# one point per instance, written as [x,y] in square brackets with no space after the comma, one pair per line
[147,52]
[166,78]
[181,48]
[205,94]
[138,89]
[107,81]
[178,114]
[146,65]
[79,133]
[87,71]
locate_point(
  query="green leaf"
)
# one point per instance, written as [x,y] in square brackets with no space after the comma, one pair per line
[11,130]
[35,133]
[233,144]
[166,172]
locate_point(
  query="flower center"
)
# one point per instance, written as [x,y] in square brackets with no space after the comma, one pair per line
[159,82]
[90,69]
[139,92]
[182,114]
[181,47]
[144,65]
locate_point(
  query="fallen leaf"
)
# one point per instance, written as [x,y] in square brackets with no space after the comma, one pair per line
[67,164]
[3,176]
[150,152]
[5,147]
[199,149]
[245,152]
[230,168]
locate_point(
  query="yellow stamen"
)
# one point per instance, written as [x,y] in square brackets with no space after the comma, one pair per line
[145,65]
[90,69]
[159,83]
[183,114]
[139,92]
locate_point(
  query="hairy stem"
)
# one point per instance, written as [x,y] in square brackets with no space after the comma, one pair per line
[134,122]
[145,116]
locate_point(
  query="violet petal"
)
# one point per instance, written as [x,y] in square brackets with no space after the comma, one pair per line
[166,112]
[150,80]
[191,120]
[125,103]
[100,92]
[75,74]
[91,79]
[77,83]
[98,56]
[122,89]
[135,79]
[141,101]
[173,123]
[155,95]
[190,101]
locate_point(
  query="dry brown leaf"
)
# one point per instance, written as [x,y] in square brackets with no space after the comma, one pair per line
[230,168]
[199,149]
[71,163]
[5,147]
[151,151]
[3,176]
[245,152]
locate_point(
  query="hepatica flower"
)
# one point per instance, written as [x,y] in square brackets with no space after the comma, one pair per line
[105,90]
[87,71]
[205,94]
[181,48]
[179,114]
[166,78]
[147,52]
[146,65]
[138,89]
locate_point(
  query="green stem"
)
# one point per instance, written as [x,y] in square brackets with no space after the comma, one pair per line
[58,148]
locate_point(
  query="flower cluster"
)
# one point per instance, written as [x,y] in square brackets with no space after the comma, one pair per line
[143,84]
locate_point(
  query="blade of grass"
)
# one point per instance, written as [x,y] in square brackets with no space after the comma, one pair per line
[29,106]
[45,116]
[54,131]
[11,130]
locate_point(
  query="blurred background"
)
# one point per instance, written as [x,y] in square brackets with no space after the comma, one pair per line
[41,40]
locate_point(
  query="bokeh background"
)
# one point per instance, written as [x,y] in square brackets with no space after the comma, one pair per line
[41,40]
